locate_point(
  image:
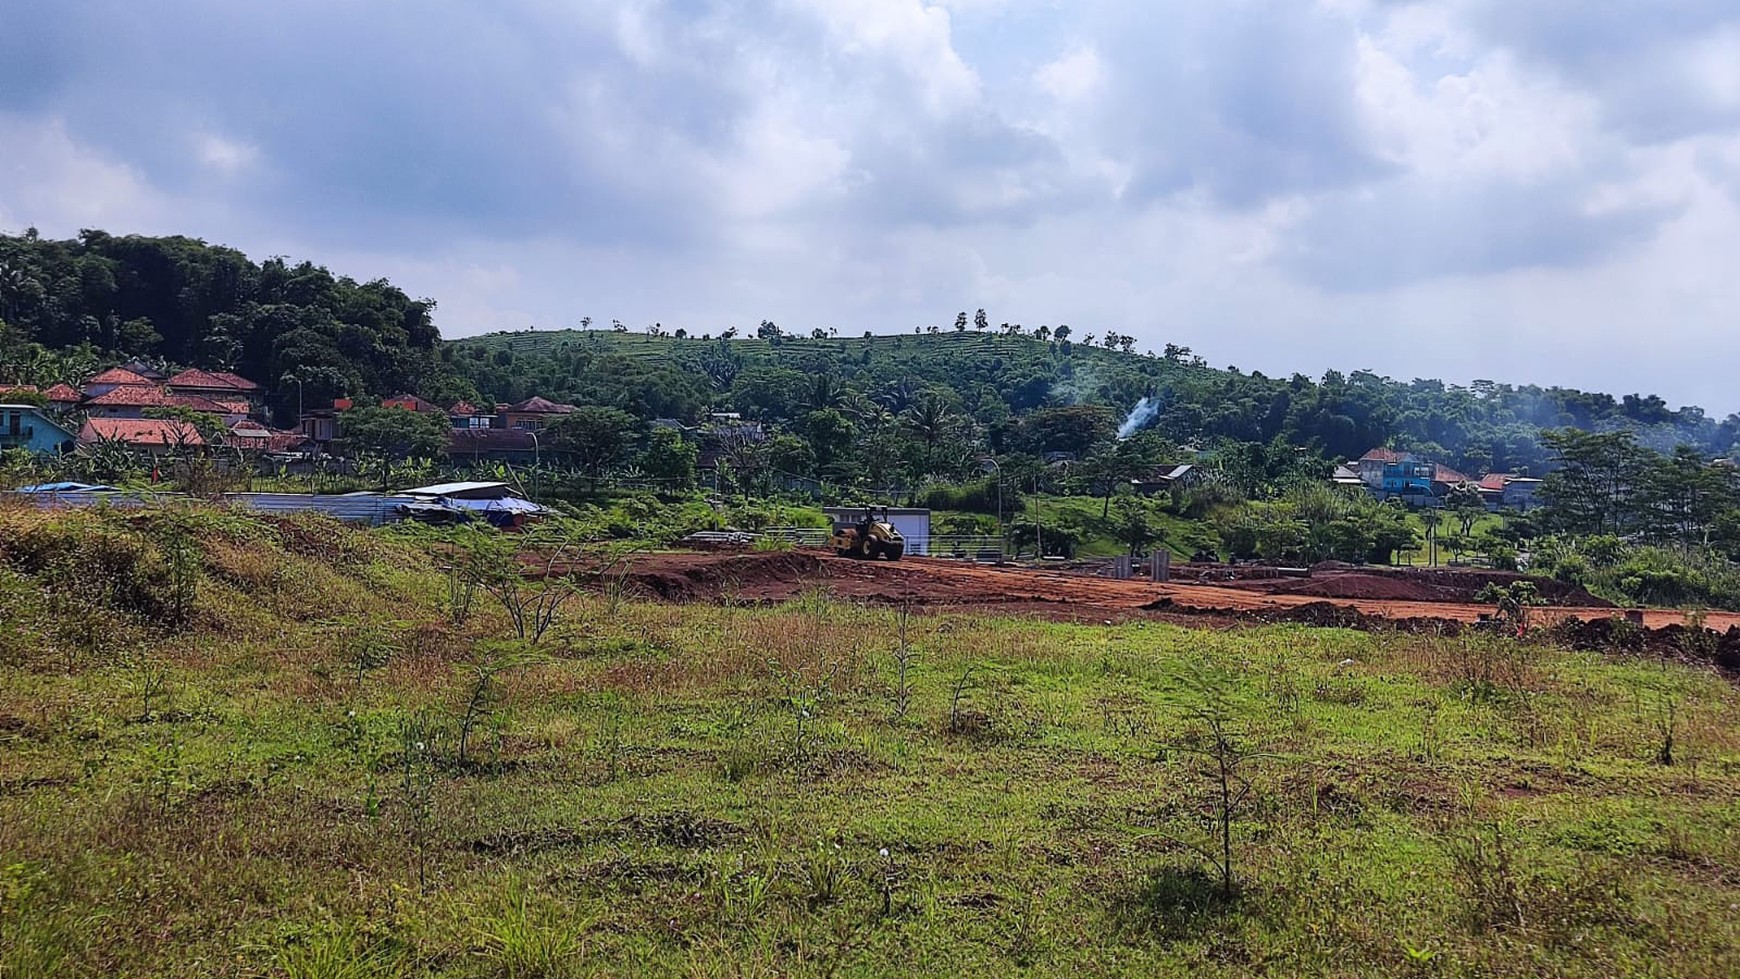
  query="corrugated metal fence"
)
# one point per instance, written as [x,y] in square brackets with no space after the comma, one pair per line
[369,509]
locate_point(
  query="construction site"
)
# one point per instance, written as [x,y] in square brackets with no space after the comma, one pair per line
[1408,599]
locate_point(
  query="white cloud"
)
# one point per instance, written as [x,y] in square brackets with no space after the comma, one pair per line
[1457,187]
[223,155]
[1076,75]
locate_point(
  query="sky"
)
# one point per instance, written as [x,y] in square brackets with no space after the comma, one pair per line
[1542,192]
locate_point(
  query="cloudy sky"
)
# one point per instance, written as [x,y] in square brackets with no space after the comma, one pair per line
[1542,191]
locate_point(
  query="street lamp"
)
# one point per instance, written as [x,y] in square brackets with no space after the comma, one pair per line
[299,407]
[1002,537]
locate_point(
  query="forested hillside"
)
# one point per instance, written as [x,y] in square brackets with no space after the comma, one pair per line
[68,308]
[994,378]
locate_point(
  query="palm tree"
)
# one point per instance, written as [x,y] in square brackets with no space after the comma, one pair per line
[929,418]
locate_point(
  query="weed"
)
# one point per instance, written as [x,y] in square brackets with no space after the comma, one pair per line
[805,693]
[958,718]
[149,678]
[905,660]
[1483,865]
[1666,724]
[338,954]
[482,695]
[418,751]
[824,872]
[521,944]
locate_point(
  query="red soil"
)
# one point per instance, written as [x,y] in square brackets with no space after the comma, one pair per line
[1395,595]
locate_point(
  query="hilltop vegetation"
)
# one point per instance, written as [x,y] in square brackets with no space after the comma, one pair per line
[68,308]
[239,746]
[996,378]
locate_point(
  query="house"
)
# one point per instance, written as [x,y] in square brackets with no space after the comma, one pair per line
[1162,479]
[131,401]
[499,444]
[411,402]
[62,398]
[1509,491]
[533,414]
[115,377]
[1371,466]
[464,414]
[219,386]
[152,436]
[252,436]
[29,428]
[1345,476]
[320,425]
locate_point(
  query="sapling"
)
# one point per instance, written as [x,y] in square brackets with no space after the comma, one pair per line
[482,693]
[905,659]
[1206,696]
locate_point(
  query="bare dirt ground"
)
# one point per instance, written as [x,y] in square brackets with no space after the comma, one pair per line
[1329,594]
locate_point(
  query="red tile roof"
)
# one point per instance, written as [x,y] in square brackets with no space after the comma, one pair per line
[63,393]
[239,382]
[155,397]
[411,402]
[1444,474]
[1494,481]
[140,431]
[120,375]
[211,381]
[1381,454]
[462,408]
[540,406]
[18,389]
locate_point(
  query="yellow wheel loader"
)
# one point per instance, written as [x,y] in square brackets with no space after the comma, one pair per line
[871,537]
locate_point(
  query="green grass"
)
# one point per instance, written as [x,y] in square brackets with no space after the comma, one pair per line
[645,795]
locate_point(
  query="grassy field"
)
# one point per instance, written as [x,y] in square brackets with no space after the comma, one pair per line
[315,771]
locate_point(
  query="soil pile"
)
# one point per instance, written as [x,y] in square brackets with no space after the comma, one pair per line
[695,578]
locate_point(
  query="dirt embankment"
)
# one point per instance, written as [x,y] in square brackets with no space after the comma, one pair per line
[1413,600]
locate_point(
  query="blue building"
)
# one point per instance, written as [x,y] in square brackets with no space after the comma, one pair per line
[26,427]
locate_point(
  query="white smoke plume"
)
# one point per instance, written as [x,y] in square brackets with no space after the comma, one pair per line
[1139,418]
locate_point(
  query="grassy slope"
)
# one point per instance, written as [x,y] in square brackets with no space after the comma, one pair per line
[646,802]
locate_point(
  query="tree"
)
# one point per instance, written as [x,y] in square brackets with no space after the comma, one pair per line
[1591,490]
[1061,333]
[931,420]
[981,322]
[830,435]
[768,330]
[394,433]
[1135,524]
[961,322]
[594,437]
[1468,506]
[671,458]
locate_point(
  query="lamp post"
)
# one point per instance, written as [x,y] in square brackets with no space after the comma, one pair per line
[1002,536]
[299,407]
